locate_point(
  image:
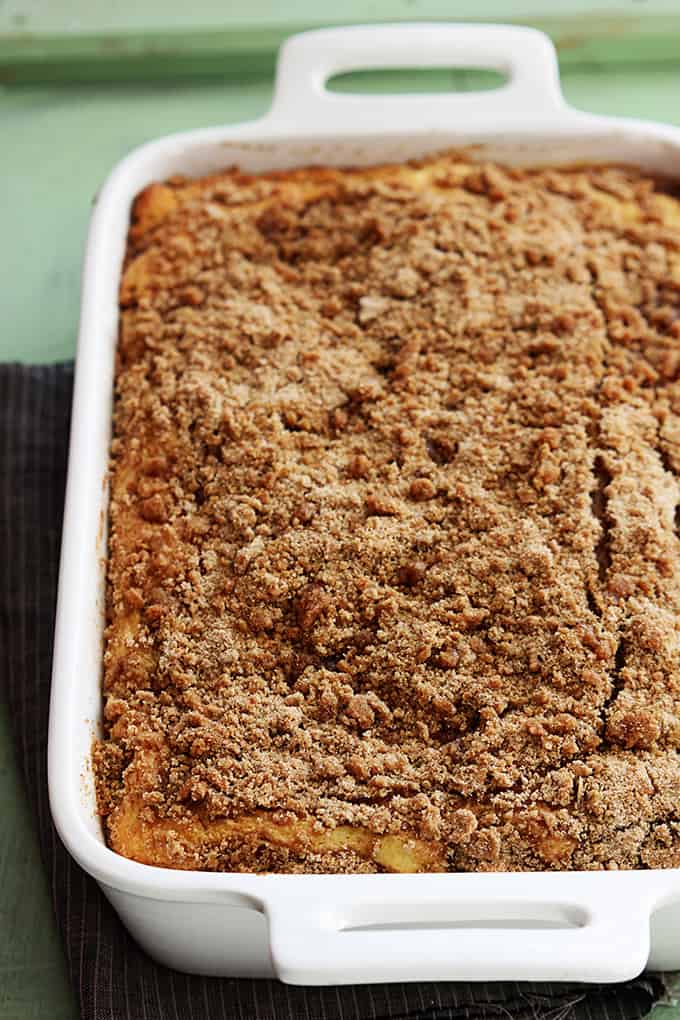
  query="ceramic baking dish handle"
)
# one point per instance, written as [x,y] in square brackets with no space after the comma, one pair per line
[307,61]
[483,939]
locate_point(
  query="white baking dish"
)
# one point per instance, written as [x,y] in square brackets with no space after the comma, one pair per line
[329,929]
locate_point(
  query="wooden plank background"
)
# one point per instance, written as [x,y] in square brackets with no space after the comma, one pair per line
[68,39]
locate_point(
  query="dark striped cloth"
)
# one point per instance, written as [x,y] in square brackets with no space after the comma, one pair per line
[112,977]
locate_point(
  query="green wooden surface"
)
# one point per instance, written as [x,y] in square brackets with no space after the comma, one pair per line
[32,974]
[58,142]
[101,39]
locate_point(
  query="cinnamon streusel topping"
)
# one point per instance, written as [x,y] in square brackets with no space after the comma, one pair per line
[394,554]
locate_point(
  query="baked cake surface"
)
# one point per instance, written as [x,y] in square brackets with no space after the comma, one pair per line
[394,570]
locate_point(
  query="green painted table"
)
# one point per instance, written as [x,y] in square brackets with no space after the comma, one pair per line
[58,142]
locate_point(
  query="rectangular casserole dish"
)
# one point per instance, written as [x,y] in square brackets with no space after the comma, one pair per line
[317,929]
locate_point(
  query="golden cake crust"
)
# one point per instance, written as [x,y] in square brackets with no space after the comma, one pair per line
[394,571]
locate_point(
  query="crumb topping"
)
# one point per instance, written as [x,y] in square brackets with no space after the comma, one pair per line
[394,520]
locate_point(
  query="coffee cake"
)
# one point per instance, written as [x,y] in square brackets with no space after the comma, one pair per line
[394,564]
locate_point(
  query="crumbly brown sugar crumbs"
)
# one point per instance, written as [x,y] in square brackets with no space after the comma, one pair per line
[394,573]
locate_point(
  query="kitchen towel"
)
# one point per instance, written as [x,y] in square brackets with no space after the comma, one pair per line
[113,979]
